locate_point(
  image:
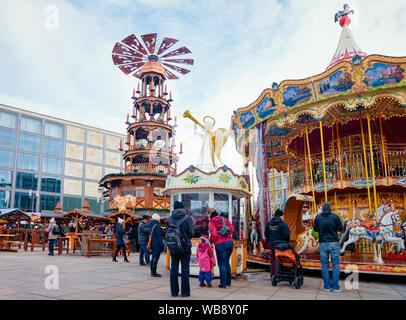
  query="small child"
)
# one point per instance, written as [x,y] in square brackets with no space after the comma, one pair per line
[206,260]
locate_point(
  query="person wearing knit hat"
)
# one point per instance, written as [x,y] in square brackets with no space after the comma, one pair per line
[156,243]
[206,260]
[120,244]
[327,224]
[276,230]
[53,232]
[143,235]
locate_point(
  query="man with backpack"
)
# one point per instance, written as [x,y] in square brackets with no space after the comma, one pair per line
[179,231]
[53,232]
[221,230]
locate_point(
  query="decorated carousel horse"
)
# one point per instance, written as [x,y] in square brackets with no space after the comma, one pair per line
[387,230]
[308,241]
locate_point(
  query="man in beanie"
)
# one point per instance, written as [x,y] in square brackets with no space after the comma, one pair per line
[156,243]
[327,224]
[186,229]
[143,234]
[276,230]
[120,240]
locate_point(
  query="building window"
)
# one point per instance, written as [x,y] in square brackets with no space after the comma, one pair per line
[139,191]
[31,125]
[29,142]
[6,158]
[53,147]
[48,203]
[49,184]
[5,196]
[8,120]
[113,193]
[71,203]
[6,179]
[51,165]
[54,130]
[221,204]
[25,201]
[7,138]
[27,161]
[27,181]
[126,191]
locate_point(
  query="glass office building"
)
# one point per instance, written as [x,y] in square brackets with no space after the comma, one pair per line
[45,160]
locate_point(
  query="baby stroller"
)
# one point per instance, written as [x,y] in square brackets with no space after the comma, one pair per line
[289,266]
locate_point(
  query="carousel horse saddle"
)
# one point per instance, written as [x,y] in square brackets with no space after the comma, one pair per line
[371,226]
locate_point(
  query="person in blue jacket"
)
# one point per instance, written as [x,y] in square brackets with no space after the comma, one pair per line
[120,240]
[156,243]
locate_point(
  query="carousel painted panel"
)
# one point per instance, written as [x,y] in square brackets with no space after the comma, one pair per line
[247,119]
[296,95]
[338,83]
[382,74]
[266,108]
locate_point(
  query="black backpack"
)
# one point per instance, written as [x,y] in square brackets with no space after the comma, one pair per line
[173,237]
[55,230]
[224,230]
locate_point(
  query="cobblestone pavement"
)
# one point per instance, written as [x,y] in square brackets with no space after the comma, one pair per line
[23,277]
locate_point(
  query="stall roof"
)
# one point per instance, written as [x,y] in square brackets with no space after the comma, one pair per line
[14,214]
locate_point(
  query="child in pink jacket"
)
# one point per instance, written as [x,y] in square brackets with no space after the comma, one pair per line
[206,260]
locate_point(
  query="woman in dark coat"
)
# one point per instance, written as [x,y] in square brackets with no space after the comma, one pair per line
[156,243]
[120,240]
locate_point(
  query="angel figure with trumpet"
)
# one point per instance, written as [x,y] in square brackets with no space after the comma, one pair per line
[213,142]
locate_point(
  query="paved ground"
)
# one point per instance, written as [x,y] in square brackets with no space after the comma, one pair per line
[22,277]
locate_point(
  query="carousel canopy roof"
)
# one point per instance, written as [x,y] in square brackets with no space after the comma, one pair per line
[352,86]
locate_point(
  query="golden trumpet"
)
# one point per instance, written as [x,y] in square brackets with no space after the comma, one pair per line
[187,114]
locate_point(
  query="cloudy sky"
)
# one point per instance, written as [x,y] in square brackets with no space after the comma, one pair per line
[61,64]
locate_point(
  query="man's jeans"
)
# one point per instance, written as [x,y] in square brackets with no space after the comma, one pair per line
[185,283]
[224,251]
[332,249]
[144,250]
[134,244]
[51,246]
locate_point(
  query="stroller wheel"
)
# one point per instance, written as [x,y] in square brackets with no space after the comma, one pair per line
[298,283]
[273,280]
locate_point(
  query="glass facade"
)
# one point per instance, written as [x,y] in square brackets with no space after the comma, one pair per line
[6,158]
[53,147]
[54,130]
[30,143]
[25,201]
[6,179]
[28,181]
[5,198]
[8,138]
[52,166]
[26,161]
[51,184]
[38,156]
[31,125]
[48,202]
[8,119]
[221,204]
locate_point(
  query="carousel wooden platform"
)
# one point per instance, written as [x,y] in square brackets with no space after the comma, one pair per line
[364,264]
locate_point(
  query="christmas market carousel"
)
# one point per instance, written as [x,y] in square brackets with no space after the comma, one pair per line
[340,138]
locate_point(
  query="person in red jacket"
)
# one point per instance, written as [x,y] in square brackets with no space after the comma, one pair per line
[221,230]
